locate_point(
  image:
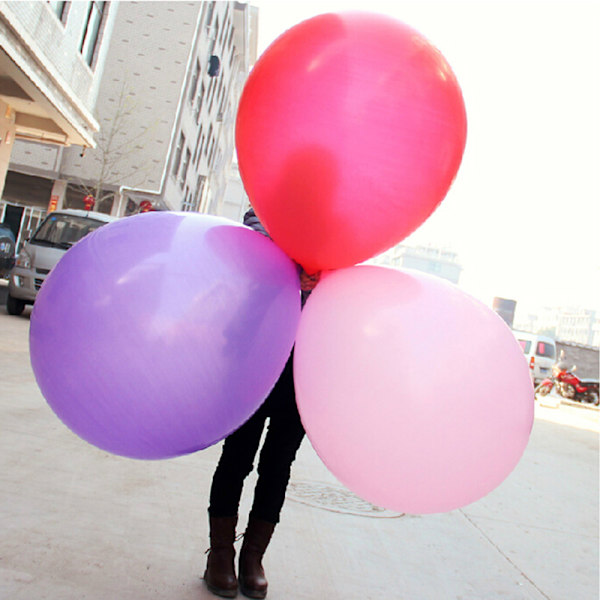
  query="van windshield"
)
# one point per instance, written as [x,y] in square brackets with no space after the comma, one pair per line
[62,231]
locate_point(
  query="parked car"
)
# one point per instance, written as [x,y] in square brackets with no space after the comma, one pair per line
[7,250]
[38,255]
[540,352]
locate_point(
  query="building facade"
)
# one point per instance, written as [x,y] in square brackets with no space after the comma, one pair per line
[51,55]
[435,261]
[166,104]
[235,201]
[576,325]
[579,325]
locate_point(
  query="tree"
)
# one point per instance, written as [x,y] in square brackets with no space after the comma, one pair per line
[119,140]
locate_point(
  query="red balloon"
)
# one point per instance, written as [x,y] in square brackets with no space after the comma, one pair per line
[350,130]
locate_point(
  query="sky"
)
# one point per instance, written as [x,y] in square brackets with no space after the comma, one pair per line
[523,213]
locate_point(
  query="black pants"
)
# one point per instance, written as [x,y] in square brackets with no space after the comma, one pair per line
[284,435]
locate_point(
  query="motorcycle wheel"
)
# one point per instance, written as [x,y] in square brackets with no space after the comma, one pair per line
[542,390]
[592,398]
[568,391]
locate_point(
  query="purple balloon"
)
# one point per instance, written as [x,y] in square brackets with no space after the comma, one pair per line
[160,334]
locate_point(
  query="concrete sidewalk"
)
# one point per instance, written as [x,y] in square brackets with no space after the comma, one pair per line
[77,523]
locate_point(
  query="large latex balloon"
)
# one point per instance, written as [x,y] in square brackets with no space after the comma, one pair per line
[350,130]
[415,395]
[159,334]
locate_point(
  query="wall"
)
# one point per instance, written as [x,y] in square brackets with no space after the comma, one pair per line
[57,46]
[141,84]
[7,139]
[585,357]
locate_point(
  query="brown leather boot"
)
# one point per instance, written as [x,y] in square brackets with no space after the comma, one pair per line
[220,570]
[253,583]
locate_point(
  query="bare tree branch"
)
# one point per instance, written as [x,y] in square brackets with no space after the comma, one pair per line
[116,144]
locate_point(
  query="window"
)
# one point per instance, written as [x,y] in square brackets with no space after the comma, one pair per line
[210,13]
[60,9]
[230,40]
[200,185]
[198,149]
[526,345]
[194,83]
[226,15]
[89,41]
[216,28]
[213,149]
[209,138]
[546,350]
[186,205]
[212,93]
[199,102]
[178,151]
[223,29]
[186,164]
[222,102]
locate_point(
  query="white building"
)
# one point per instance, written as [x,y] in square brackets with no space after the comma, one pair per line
[167,100]
[51,54]
[235,201]
[436,261]
[576,325]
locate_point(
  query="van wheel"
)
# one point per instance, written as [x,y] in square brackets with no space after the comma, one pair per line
[14,306]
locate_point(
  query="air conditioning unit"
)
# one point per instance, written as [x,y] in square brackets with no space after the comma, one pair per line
[214,66]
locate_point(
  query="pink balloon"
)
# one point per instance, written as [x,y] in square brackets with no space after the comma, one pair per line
[415,395]
[350,130]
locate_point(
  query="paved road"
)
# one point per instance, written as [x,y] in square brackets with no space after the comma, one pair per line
[77,523]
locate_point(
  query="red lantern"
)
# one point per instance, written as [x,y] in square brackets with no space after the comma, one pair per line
[89,202]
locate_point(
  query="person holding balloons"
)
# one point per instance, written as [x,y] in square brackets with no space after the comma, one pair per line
[284,435]
[338,174]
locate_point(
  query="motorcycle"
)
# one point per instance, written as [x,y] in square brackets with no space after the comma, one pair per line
[569,386]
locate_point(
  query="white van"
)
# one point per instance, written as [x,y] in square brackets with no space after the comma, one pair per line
[540,352]
[55,235]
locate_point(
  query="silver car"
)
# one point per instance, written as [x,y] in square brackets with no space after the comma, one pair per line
[38,255]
